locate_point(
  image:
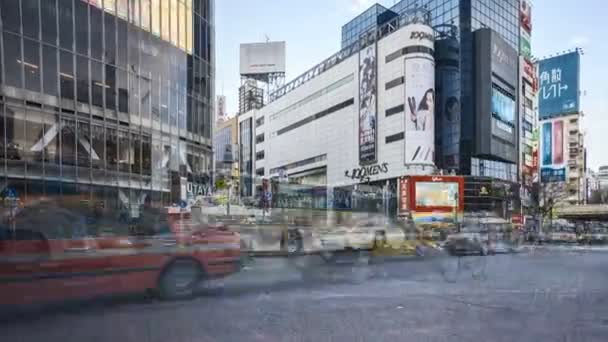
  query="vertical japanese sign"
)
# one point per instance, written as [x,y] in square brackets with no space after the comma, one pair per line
[552,147]
[524,45]
[420,110]
[559,85]
[404,198]
[368,105]
[525,15]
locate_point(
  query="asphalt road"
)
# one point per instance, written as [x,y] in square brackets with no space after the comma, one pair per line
[539,295]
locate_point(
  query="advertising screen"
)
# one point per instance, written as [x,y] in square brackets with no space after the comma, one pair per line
[503,106]
[559,85]
[552,148]
[436,194]
[420,110]
[367,104]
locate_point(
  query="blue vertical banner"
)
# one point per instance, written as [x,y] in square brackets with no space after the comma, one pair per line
[547,145]
[559,85]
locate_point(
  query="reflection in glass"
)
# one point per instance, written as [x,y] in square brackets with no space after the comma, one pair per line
[164,24]
[145,94]
[66,25]
[66,73]
[98,145]
[123,92]
[51,145]
[49,70]
[29,10]
[68,148]
[34,143]
[12,60]
[110,86]
[11,20]
[97,84]
[145,14]
[48,10]
[82,27]
[82,76]
[146,156]
[96,32]
[123,46]
[31,65]
[125,153]
[84,151]
[155,16]
[110,38]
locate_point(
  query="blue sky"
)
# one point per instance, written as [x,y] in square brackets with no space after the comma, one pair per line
[311,29]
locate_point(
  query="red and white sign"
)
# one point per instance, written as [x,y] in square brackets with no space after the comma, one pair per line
[525,15]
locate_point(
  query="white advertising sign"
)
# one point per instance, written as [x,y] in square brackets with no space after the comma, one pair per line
[420,110]
[262,58]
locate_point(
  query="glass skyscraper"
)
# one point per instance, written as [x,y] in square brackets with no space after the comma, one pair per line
[108,101]
[455,21]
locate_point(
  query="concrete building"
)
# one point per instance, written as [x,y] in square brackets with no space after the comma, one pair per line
[602,177]
[250,96]
[226,152]
[348,128]
[99,102]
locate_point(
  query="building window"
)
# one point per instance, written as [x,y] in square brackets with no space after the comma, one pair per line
[259,138]
[29,10]
[66,25]
[259,172]
[259,122]
[12,60]
[259,155]
[82,28]
[31,65]
[82,76]
[11,19]
[49,70]
[96,33]
[66,73]
[110,38]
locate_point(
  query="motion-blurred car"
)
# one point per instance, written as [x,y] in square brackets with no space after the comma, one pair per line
[561,235]
[51,254]
[467,243]
[595,235]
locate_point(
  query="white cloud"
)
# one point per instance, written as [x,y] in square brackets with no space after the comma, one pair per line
[579,41]
[360,5]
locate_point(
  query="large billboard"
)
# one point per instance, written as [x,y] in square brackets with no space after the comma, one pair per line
[432,199]
[420,110]
[553,148]
[559,85]
[262,58]
[368,84]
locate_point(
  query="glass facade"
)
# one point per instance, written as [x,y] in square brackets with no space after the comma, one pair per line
[106,100]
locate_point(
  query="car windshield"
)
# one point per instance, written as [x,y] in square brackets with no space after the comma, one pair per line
[312,170]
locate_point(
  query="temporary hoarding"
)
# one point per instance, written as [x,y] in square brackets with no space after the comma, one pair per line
[262,58]
[368,79]
[552,148]
[559,85]
[420,110]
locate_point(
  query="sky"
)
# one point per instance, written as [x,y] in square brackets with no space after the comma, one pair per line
[311,29]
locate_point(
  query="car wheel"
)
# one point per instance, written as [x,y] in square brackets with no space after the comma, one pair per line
[292,242]
[179,279]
